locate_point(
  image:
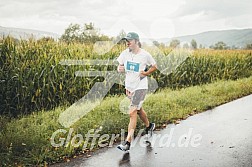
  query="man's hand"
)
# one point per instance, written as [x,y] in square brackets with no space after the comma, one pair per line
[143,74]
[151,70]
[120,68]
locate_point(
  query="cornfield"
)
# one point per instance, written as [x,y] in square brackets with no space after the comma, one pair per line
[32,78]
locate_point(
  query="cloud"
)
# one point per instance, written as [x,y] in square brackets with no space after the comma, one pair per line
[152,18]
[197,16]
[225,8]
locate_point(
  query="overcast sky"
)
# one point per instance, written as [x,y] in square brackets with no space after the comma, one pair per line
[150,18]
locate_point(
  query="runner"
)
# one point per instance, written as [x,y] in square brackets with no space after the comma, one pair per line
[134,62]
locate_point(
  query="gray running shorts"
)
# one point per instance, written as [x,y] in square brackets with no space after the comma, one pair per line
[137,98]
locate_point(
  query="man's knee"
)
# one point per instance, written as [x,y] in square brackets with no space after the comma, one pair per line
[133,111]
[139,111]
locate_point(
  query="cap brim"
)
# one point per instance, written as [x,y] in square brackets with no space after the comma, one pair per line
[125,38]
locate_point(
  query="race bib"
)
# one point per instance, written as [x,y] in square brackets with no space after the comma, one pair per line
[132,66]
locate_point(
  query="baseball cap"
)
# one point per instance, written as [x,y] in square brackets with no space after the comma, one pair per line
[131,35]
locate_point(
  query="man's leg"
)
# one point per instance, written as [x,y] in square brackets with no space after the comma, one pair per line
[149,126]
[132,123]
[136,102]
[143,116]
[131,128]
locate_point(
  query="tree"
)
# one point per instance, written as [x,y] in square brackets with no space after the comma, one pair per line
[88,34]
[156,43]
[121,35]
[45,39]
[234,47]
[174,43]
[186,46]
[194,44]
[248,46]
[220,45]
[72,34]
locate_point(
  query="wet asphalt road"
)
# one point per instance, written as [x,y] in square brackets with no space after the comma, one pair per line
[220,137]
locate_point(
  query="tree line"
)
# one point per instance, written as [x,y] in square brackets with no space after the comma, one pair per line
[88,33]
[220,45]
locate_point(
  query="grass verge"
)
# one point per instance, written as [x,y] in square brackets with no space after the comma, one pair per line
[26,141]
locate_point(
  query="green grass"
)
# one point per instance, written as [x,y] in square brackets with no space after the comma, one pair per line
[26,141]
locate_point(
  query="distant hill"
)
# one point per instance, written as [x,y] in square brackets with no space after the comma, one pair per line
[19,33]
[237,38]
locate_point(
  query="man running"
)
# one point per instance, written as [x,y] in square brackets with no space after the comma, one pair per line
[134,62]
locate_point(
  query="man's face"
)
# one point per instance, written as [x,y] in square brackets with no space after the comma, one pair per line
[131,43]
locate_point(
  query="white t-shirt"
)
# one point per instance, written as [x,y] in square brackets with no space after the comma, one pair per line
[134,64]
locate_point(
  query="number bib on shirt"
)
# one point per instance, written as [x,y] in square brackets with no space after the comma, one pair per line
[132,66]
